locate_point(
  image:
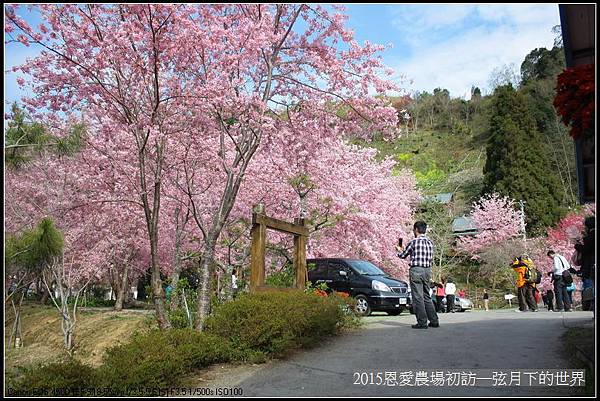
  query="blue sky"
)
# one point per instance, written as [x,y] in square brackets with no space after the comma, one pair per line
[453,46]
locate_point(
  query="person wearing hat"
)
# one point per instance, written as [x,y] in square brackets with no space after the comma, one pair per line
[524,290]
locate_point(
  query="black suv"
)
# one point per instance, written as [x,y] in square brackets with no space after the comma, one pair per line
[372,288]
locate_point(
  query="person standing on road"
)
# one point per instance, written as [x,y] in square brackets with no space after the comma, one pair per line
[450,294]
[570,290]
[550,296]
[486,300]
[441,294]
[421,251]
[586,249]
[560,285]
[524,290]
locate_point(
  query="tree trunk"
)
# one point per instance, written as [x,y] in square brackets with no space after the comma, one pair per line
[157,291]
[16,330]
[204,290]
[122,288]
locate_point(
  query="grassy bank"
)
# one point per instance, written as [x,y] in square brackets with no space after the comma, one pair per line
[253,328]
[43,340]
[579,340]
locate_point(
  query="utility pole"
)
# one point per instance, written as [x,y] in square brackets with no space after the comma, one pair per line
[522,204]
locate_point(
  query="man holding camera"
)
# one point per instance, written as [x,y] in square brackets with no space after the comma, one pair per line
[421,251]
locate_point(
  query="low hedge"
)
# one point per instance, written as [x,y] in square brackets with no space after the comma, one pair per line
[47,379]
[273,322]
[160,358]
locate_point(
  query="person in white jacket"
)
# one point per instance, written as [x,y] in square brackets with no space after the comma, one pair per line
[560,286]
[450,294]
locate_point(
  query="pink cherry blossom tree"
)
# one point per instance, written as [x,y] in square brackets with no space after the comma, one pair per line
[497,220]
[354,206]
[154,81]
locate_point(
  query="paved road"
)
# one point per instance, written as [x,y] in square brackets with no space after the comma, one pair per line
[502,340]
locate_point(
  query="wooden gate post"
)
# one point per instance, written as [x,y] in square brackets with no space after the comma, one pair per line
[300,257]
[260,224]
[257,254]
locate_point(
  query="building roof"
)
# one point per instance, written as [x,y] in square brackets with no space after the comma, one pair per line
[464,225]
[440,198]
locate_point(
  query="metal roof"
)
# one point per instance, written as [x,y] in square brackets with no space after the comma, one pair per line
[463,225]
[440,198]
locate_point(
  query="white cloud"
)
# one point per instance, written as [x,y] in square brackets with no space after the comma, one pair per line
[485,37]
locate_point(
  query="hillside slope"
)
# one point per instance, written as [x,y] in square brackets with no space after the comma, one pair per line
[443,162]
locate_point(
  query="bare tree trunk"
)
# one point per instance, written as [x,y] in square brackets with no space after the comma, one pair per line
[204,290]
[56,270]
[558,167]
[16,333]
[122,288]
[152,215]
[567,163]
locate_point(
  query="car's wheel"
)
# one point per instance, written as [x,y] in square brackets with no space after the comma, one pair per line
[394,312]
[412,310]
[362,305]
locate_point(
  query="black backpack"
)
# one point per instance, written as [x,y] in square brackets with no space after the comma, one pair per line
[567,278]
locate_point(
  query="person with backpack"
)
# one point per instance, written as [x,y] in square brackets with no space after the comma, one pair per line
[562,279]
[523,266]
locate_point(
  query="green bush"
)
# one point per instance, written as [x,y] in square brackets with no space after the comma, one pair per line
[161,358]
[274,322]
[461,129]
[250,328]
[179,319]
[61,375]
[283,278]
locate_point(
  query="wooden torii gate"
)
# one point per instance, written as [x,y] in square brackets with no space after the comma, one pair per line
[260,223]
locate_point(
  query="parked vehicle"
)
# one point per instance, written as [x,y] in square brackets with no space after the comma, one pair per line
[373,289]
[460,304]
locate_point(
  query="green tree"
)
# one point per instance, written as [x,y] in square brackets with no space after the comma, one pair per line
[542,63]
[26,256]
[517,165]
[25,139]
[539,71]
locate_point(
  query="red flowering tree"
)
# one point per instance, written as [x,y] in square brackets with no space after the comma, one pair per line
[574,100]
